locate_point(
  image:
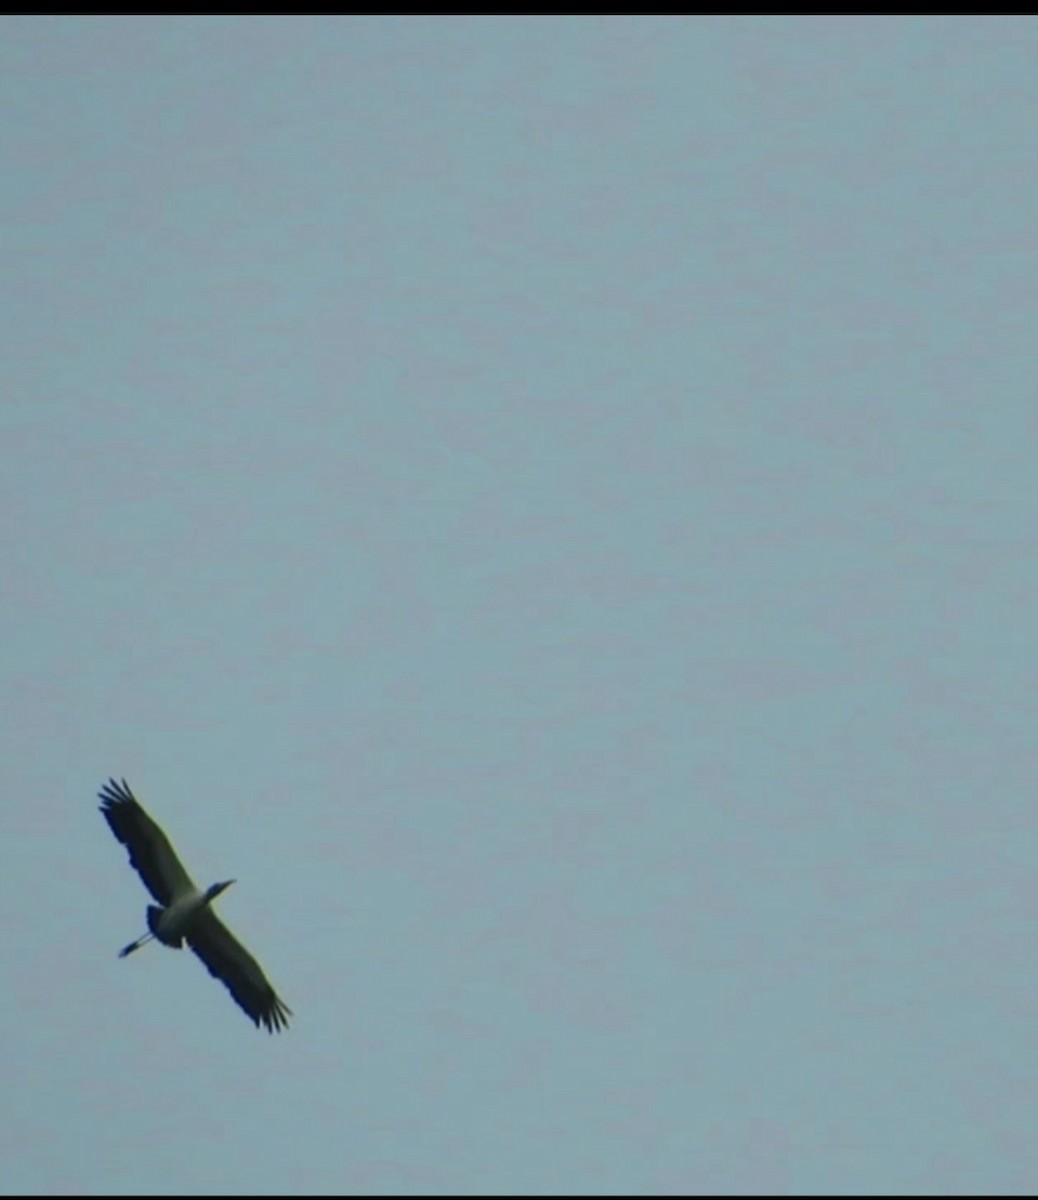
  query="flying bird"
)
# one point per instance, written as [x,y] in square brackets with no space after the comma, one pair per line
[184,912]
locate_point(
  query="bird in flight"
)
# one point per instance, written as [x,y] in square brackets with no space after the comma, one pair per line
[184,912]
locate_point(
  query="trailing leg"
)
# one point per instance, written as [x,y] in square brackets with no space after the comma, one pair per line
[135,945]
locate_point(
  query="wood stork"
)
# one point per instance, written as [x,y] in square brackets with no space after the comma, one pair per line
[183,912]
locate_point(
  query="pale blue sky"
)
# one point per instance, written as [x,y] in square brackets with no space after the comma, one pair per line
[549,505]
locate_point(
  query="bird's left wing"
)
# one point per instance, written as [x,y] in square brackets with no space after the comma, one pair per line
[229,961]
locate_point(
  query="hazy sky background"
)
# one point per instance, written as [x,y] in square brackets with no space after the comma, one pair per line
[550,506]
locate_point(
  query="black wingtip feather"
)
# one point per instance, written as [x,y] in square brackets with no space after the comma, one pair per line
[113,794]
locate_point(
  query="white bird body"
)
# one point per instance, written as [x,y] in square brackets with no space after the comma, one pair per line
[184,911]
[172,922]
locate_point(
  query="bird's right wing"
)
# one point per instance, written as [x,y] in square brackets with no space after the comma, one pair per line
[151,855]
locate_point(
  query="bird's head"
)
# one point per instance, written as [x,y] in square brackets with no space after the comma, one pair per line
[217,888]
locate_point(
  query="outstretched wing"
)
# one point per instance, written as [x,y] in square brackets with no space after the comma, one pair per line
[229,961]
[151,855]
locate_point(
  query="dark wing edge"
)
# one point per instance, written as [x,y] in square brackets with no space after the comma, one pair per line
[149,848]
[227,960]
